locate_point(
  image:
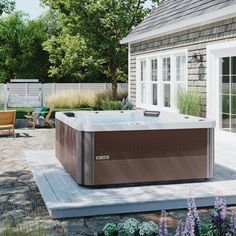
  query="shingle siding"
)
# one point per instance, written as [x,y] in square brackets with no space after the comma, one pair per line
[195,41]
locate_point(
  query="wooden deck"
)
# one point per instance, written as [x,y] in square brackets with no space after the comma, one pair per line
[64,198]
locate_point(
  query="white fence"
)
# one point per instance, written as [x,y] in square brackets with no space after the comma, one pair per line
[34,94]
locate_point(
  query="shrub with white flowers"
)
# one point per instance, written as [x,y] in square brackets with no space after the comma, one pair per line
[129,228]
[148,229]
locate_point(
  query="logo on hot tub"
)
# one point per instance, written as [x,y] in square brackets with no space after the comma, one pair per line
[99,158]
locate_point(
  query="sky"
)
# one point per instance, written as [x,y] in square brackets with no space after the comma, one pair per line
[32,7]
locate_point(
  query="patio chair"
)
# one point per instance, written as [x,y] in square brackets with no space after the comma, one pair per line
[39,115]
[7,122]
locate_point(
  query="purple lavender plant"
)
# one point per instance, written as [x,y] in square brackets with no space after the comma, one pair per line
[180,230]
[163,231]
[192,223]
[221,207]
[234,221]
[189,228]
[221,225]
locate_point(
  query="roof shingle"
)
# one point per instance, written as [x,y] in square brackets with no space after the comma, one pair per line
[173,11]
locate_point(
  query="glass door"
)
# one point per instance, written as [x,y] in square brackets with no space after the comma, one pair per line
[228,94]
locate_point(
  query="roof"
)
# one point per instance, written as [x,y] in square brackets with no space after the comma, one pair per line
[175,15]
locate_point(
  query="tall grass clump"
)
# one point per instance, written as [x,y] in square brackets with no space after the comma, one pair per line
[189,103]
[72,100]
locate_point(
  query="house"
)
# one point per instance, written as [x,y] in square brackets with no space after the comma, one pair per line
[186,44]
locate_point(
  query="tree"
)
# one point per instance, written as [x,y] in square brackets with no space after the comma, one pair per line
[102,24]
[6,6]
[21,52]
[70,59]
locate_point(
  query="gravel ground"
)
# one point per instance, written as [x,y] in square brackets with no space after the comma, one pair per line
[21,203]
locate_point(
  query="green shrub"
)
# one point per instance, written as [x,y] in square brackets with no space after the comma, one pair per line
[131,227]
[104,101]
[189,103]
[111,105]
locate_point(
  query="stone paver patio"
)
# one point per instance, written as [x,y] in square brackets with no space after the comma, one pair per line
[21,202]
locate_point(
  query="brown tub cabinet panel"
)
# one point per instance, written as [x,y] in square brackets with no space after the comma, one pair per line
[68,149]
[150,156]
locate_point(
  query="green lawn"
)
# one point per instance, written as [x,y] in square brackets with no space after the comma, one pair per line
[20,112]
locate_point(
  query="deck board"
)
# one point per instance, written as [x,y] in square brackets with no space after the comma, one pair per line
[65,198]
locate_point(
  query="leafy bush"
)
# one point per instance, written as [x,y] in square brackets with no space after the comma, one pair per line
[104,102]
[131,227]
[148,229]
[109,229]
[127,105]
[107,96]
[107,105]
[189,103]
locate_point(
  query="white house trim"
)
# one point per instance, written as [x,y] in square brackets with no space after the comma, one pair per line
[214,53]
[208,18]
[129,77]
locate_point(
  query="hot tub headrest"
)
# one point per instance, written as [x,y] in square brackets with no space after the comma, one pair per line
[69,114]
[151,113]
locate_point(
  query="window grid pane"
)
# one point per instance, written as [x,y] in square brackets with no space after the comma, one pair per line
[167,95]
[154,94]
[154,70]
[143,70]
[166,69]
[143,93]
[181,68]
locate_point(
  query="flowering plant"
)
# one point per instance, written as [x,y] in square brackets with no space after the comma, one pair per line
[219,224]
[163,231]
[128,228]
[148,229]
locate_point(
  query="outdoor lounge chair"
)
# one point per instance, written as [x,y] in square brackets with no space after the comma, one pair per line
[7,122]
[38,116]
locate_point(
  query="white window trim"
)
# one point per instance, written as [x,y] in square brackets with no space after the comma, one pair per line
[159,56]
[214,53]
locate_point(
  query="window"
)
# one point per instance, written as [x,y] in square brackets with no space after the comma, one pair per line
[160,79]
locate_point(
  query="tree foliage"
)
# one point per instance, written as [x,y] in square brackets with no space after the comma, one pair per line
[71,59]
[100,25]
[21,52]
[6,6]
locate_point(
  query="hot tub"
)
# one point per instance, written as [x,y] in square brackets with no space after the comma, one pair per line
[126,147]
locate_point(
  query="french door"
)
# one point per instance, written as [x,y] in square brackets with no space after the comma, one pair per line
[227,94]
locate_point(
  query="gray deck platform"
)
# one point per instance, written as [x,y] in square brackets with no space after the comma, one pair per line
[64,198]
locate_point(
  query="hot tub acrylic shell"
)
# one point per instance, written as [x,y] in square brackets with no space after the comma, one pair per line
[132,151]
